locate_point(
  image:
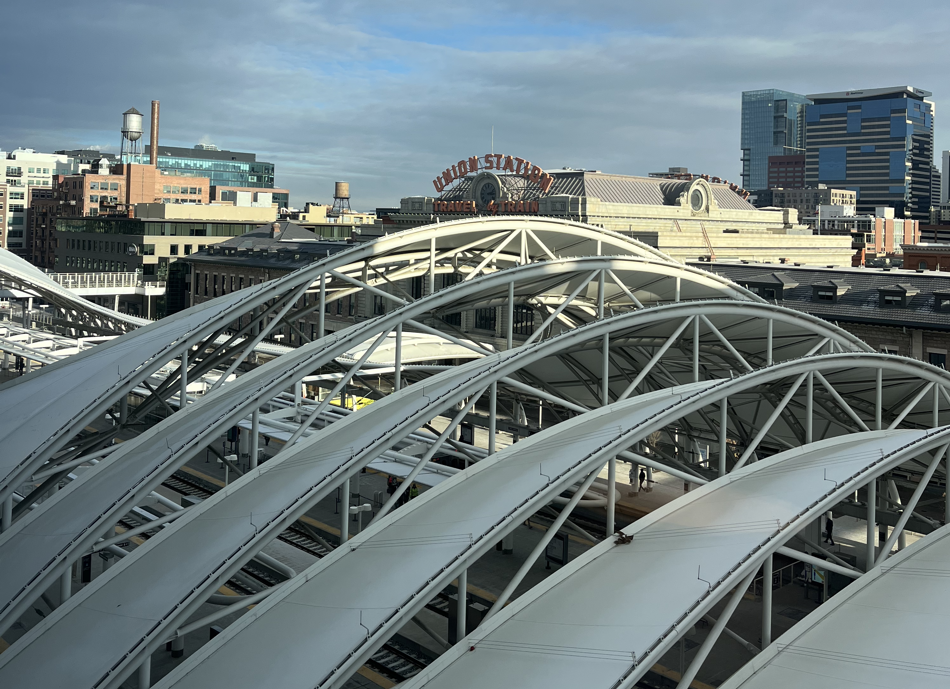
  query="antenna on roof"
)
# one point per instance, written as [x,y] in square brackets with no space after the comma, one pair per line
[493,139]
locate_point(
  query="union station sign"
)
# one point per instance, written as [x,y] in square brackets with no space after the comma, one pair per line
[497,162]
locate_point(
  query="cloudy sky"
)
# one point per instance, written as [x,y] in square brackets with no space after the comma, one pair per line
[385,95]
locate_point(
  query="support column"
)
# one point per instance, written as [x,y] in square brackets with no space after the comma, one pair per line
[183,383]
[946,507]
[896,497]
[145,673]
[493,418]
[397,377]
[124,408]
[872,523]
[810,407]
[178,647]
[66,585]
[116,303]
[255,437]
[611,496]
[723,427]
[6,517]
[462,605]
[511,315]
[345,512]
[321,314]
[767,600]
[696,349]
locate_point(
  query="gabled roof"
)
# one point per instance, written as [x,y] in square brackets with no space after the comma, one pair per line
[833,284]
[860,303]
[644,191]
[776,278]
[904,287]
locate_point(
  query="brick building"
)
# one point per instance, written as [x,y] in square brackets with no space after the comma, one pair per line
[787,172]
[927,257]
[92,194]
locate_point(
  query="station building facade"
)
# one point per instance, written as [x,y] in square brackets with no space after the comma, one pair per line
[698,219]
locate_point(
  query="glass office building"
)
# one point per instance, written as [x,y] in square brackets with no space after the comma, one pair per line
[772,125]
[223,168]
[877,142]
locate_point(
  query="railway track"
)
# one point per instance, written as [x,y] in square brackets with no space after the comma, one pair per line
[399,659]
[185,484]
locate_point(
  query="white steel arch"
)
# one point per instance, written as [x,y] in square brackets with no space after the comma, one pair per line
[470,247]
[336,597]
[844,397]
[689,554]
[264,498]
[852,640]
[85,314]
[135,469]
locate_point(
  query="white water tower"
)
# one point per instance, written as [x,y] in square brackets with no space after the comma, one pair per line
[131,149]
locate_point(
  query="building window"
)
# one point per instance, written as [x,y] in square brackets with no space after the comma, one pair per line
[241,282]
[922,265]
[379,308]
[938,359]
[825,295]
[173,250]
[485,319]
[416,286]
[187,249]
[94,186]
[523,323]
[114,186]
[892,300]
[453,319]
[215,286]
[206,284]
[148,249]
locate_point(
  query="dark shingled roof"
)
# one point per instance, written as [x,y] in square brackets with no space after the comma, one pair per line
[293,248]
[861,302]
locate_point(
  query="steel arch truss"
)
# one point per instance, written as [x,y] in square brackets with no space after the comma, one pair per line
[580,278]
[547,468]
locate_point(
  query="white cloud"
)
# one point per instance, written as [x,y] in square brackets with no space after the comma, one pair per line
[387,98]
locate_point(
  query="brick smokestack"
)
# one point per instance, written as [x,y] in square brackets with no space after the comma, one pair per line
[153,136]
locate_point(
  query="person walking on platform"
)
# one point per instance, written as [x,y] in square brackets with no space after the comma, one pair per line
[643,478]
[829,529]
[413,491]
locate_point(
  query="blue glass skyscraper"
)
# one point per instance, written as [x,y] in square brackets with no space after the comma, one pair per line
[772,125]
[878,142]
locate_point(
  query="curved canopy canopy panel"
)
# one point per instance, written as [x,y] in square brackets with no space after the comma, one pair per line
[626,353]
[580,629]
[128,479]
[83,314]
[688,554]
[887,629]
[229,528]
